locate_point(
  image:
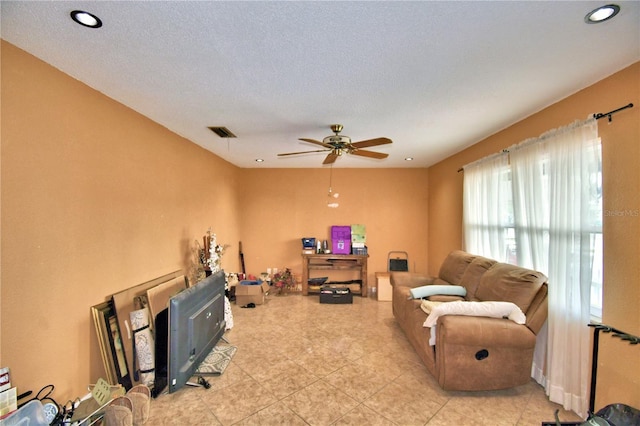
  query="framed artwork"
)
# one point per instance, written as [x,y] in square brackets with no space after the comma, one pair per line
[111,344]
[127,301]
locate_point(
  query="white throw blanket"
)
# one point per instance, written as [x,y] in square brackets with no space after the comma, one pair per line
[477,309]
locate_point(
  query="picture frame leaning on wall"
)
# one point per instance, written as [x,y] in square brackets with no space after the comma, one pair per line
[110,341]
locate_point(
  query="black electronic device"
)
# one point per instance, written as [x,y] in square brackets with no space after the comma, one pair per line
[191,327]
[308,243]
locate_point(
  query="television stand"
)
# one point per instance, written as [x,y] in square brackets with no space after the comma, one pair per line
[202,383]
[326,262]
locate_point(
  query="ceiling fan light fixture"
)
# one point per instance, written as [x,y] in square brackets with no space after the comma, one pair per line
[86,19]
[337,139]
[336,145]
[601,14]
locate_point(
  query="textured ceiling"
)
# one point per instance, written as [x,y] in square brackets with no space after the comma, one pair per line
[435,77]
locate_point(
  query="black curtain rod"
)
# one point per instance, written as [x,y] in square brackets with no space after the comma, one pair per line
[597,116]
[610,113]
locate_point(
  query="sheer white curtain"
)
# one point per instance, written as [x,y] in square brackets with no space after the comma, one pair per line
[486,206]
[557,212]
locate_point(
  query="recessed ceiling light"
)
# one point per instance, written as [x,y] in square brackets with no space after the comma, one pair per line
[259,160]
[86,19]
[601,14]
[408,159]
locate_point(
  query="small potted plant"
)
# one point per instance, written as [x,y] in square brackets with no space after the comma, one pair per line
[284,281]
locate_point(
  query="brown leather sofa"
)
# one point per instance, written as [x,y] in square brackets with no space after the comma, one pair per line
[475,353]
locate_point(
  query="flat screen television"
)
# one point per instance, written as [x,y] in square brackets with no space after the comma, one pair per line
[195,325]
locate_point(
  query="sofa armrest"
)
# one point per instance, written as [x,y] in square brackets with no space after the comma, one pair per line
[445,298]
[538,310]
[410,279]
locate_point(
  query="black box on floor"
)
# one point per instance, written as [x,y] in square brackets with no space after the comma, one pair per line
[335,295]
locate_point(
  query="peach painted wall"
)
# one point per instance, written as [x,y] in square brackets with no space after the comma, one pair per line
[95,198]
[619,371]
[280,206]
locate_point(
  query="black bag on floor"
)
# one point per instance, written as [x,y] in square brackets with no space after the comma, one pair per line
[611,415]
[620,415]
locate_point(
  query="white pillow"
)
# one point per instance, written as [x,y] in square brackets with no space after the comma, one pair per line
[430,290]
[477,309]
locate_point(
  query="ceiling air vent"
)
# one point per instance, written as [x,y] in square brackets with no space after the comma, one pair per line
[223,132]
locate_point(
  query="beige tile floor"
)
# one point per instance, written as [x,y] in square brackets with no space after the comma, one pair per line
[300,362]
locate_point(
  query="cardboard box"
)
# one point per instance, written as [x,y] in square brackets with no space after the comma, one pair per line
[251,293]
[383,285]
[341,239]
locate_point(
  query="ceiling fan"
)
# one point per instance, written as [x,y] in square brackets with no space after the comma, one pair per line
[337,145]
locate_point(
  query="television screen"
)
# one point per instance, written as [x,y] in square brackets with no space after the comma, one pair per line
[196,324]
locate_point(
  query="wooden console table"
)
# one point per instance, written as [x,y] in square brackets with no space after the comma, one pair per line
[334,262]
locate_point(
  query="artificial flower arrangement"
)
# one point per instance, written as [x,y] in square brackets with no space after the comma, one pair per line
[209,258]
[215,250]
[284,281]
[206,259]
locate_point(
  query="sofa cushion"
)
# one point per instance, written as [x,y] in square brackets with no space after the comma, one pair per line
[510,283]
[410,279]
[471,277]
[453,267]
[440,281]
[430,290]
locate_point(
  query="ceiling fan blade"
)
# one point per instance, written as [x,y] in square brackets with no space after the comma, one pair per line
[313,141]
[370,154]
[331,158]
[371,142]
[302,152]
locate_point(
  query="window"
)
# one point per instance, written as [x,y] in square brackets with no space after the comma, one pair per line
[509,233]
[539,206]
